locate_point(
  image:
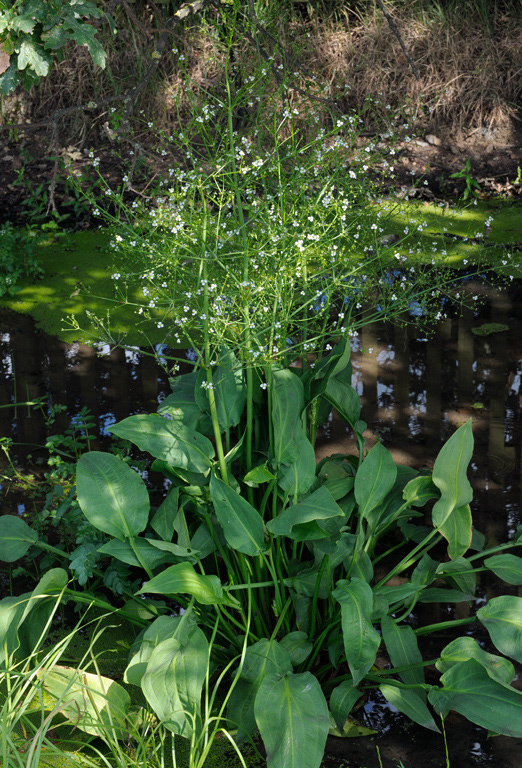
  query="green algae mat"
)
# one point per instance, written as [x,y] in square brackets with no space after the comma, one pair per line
[76,300]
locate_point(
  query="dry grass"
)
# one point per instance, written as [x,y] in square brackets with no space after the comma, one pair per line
[468,77]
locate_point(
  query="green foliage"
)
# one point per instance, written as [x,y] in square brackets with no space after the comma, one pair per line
[472,185]
[277,577]
[17,259]
[32,33]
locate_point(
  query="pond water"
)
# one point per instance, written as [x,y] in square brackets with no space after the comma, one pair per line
[415,392]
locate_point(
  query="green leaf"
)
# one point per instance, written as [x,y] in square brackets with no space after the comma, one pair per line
[241,522]
[300,521]
[181,405]
[361,640]
[440,595]
[342,701]
[34,56]
[298,476]
[229,389]
[262,658]
[419,491]
[84,34]
[11,611]
[162,628]
[287,407]
[183,579]
[506,567]
[95,704]
[450,475]
[502,617]
[9,79]
[123,551]
[173,681]
[111,495]
[165,516]
[410,704]
[343,397]
[457,530]
[457,574]
[403,649]
[297,645]
[259,474]
[176,444]
[293,720]
[374,479]
[464,648]
[16,537]
[469,690]
[38,609]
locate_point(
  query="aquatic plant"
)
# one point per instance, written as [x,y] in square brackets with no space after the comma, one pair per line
[285,570]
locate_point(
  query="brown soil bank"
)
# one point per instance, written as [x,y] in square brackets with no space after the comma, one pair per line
[447,70]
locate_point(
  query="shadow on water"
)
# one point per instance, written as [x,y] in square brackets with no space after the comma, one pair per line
[415,393]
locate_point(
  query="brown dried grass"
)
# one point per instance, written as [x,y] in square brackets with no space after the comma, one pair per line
[469,77]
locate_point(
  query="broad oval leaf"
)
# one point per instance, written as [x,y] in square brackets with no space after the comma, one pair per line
[229,389]
[293,720]
[123,551]
[161,629]
[502,617]
[450,474]
[506,567]
[111,495]
[266,657]
[361,639]
[95,704]
[183,579]
[374,479]
[410,704]
[16,537]
[173,681]
[170,441]
[287,406]
[241,522]
[465,648]
[471,691]
[419,491]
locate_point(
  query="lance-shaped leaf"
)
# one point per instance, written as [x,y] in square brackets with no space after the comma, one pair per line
[300,521]
[464,648]
[181,405]
[403,649]
[506,567]
[450,474]
[342,701]
[410,704]
[15,538]
[293,720]
[183,579]
[170,441]
[502,617]
[241,522]
[374,479]
[150,555]
[111,495]
[298,476]
[361,640]
[469,690]
[173,681]
[459,574]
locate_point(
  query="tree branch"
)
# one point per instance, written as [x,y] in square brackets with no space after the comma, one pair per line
[396,32]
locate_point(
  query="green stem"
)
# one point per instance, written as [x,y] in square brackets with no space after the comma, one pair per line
[445,625]
[406,562]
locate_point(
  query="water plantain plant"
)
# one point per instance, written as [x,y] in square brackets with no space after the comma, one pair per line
[277,574]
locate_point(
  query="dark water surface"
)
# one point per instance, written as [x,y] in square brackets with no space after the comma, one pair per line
[415,393]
